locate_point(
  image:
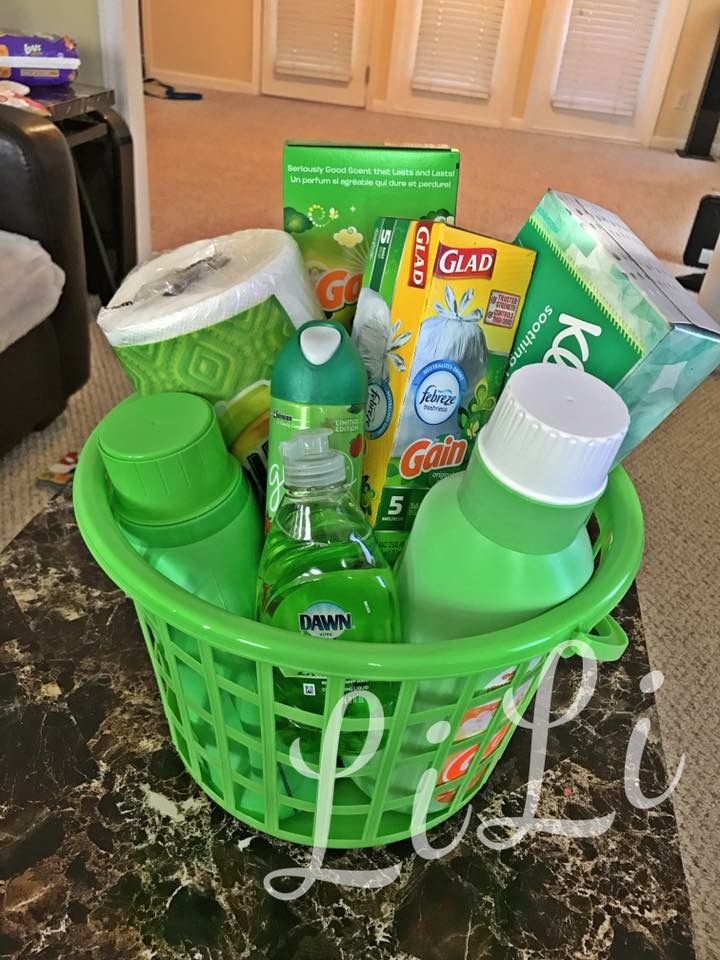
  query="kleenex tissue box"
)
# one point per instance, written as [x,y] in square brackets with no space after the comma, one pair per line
[599,300]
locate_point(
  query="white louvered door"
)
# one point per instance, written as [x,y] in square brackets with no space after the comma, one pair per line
[456,59]
[602,33]
[602,66]
[316,49]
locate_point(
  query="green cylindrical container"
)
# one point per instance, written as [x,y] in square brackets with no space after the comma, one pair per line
[517,517]
[185,506]
[181,499]
[506,540]
[319,380]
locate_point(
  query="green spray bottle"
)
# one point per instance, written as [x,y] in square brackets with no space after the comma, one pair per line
[185,505]
[318,381]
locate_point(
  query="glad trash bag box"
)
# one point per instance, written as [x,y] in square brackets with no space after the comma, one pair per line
[435,324]
[602,302]
[333,193]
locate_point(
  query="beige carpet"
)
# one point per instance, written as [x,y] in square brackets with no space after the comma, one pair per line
[23,496]
[215,167]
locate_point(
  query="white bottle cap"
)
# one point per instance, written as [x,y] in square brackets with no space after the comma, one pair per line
[318,344]
[309,461]
[554,434]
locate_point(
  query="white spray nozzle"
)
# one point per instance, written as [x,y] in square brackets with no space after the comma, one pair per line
[309,461]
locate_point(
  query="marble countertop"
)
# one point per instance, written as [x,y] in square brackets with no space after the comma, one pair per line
[109,850]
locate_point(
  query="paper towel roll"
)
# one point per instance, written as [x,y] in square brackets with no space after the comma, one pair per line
[210,318]
[241,271]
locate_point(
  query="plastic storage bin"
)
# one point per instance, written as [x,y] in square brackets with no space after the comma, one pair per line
[215,674]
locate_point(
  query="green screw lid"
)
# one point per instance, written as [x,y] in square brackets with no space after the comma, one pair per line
[165,457]
[320,364]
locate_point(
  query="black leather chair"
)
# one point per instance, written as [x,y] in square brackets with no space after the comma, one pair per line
[38,198]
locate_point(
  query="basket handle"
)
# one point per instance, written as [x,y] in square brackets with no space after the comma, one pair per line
[608,640]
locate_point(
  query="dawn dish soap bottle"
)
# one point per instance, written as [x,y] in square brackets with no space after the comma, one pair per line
[321,571]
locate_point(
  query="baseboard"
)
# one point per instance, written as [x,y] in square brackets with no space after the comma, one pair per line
[674,143]
[383,106]
[194,80]
[521,125]
[666,143]
[508,123]
[378,105]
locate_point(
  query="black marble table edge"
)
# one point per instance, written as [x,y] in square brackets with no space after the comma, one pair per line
[108,849]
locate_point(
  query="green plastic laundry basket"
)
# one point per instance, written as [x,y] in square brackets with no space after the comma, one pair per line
[215,672]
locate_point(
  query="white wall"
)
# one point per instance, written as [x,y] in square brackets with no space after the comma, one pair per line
[107,35]
[121,53]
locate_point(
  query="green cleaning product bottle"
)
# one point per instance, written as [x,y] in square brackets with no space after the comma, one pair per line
[319,380]
[181,499]
[321,571]
[507,540]
[185,505]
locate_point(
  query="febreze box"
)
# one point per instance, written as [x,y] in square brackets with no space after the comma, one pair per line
[601,301]
[435,323]
[333,193]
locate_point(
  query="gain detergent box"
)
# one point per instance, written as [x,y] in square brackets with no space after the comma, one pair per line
[602,302]
[435,324]
[333,194]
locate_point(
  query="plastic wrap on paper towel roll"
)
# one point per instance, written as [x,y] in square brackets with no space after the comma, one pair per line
[210,318]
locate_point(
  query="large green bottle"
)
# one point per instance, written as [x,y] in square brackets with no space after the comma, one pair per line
[185,505]
[318,381]
[181,499]
[507,539]
[321,571]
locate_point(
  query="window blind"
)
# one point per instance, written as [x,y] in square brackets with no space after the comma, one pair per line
[456,47]
[604,58]
[314,39]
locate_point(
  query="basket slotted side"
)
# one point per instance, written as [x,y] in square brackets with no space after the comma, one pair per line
[215,675]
